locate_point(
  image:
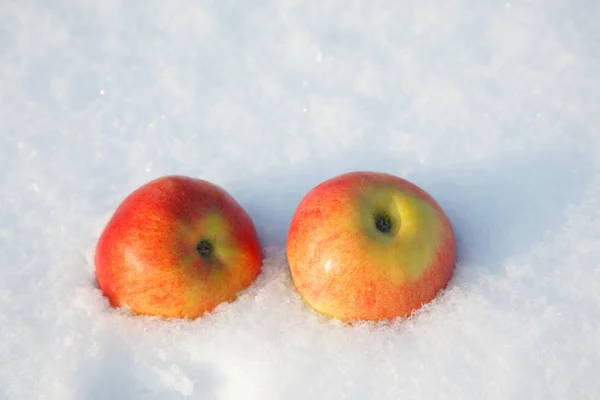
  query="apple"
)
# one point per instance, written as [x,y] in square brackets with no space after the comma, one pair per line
[369,246]
[177,247]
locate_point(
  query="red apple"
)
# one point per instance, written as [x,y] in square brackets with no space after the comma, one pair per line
[369,246]
[177,247]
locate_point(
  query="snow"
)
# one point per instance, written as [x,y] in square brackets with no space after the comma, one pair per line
[492,107]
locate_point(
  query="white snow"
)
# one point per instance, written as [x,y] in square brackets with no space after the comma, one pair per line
[492,107]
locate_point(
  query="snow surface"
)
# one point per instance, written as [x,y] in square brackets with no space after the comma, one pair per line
[493,107]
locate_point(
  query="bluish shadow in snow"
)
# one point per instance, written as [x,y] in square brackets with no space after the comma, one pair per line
[116,374]
[503,207]
[498,207]
[109,376]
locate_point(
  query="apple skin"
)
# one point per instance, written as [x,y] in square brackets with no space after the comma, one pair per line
[149,257]
[345,267]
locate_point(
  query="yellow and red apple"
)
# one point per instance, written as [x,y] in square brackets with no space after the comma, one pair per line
[177,247]
[369,246]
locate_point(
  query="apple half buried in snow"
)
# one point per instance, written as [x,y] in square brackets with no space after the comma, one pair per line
[369,246]
[177,247]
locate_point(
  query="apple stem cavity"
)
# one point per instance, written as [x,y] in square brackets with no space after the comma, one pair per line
[205,249]
[383,223]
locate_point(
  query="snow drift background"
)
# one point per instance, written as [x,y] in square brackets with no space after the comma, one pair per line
[493,107]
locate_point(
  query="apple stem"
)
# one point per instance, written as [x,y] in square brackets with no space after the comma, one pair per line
[383,223]
[205,249]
